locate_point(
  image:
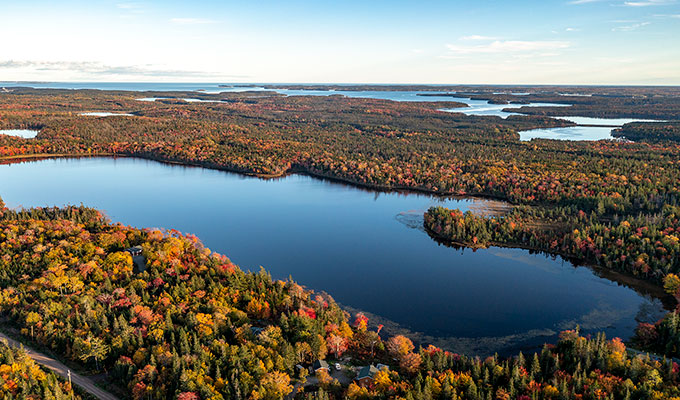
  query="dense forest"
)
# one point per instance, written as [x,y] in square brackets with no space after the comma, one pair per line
[192,325]
[22,378]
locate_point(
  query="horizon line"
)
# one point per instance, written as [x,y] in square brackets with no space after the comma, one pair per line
[356,83]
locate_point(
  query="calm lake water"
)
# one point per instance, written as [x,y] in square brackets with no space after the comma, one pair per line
[616,122]
[24,133]
[568,133]
[367,249]
[601,132]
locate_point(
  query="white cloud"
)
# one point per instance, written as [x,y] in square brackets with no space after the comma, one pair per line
[647,3]
[628,28]
[584,1]
[509,46]
[192,21]
[128,6]
[94,68]
[131,7]
[477,37]
[635,3]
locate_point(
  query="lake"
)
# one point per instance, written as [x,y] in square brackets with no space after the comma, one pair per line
[367,249]
[24,133]
[568,133]
[602,130]
[611,122]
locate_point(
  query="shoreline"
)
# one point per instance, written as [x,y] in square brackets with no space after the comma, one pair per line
[293,170]
[642,286]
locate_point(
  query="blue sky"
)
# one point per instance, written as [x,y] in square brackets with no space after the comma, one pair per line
[483,41]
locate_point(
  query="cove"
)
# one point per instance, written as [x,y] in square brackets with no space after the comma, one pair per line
[588,128]
[367,249]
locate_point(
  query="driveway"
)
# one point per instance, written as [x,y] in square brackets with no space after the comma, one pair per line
[60,369]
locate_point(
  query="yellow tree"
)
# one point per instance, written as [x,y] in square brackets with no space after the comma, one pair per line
[275,385]
[32,319]
[399,346]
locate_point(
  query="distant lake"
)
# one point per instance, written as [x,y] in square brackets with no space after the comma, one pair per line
[568,133]
[367,249]
[617,122]
[601,132]
[24,133]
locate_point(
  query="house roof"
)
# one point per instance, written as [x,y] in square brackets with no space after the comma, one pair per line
[367,372]
[318,364]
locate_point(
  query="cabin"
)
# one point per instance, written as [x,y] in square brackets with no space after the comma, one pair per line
[321,365]
[135,251]
[365,376]
[256,330]
[137,258]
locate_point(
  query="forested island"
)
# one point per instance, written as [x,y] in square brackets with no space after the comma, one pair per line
[192,325]
[650,132]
